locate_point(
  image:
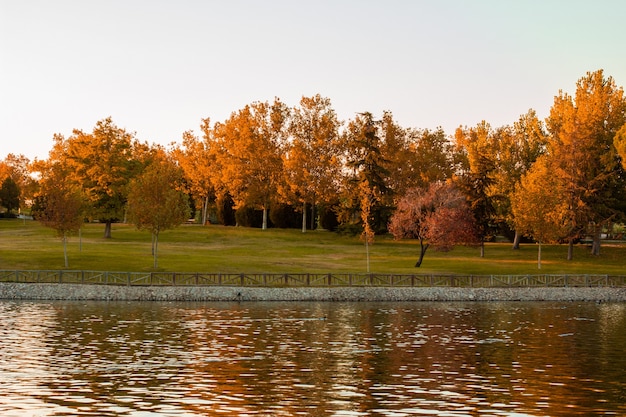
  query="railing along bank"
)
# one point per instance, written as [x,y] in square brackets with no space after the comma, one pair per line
[309,280]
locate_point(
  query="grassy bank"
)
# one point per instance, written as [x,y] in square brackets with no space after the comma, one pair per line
[190,248]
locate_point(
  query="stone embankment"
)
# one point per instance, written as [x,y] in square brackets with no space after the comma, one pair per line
[23,291]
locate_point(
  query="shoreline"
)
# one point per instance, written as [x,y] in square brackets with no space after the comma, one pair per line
[96,292]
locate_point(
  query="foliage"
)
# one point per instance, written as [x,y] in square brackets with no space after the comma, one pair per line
[249,146]
[515,150]
[197,162]
[61,205]
[9,195]
[269,157]
[310,161]
[437,216]
[101,163]
[156,200]
[478,177]
[537,206]
[582,153]
[18,168]
[366,163]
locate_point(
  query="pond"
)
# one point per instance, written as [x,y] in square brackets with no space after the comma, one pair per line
[312,359]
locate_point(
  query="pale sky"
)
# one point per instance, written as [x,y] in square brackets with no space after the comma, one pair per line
[159,67]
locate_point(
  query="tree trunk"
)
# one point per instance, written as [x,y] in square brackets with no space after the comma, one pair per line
[264,218]
[313,213]
[367,253]
[570,249]
[304,217]
[516,240]
[482,248]
[152,244]
[539,256]
[65,250]
[423,249]
[205,210]
[155,238]
[597,235]
[107,229]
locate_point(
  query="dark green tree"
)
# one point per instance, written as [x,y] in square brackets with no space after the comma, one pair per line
[366,163]
[9,195]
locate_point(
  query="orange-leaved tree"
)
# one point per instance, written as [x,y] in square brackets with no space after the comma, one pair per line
[102,163]
[478,176]
[311,166]
[249,147]
[198,164]
[583,157]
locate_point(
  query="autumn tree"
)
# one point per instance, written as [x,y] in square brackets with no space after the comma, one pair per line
[102,163]
[432,157]
[438,216]
[249,146]
[364,162]
[538,205]
[367,198]
[515,149]
[583,156]
[197,163]
[398,158]
[311,164]
[18,168]
[156,201]
[60,204]
[477,178]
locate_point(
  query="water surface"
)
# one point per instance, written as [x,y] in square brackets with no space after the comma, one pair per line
[317,359]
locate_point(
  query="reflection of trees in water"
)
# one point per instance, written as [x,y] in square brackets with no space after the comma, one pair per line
[318,358]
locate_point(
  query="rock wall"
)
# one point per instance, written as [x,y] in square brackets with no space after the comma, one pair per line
[22,291]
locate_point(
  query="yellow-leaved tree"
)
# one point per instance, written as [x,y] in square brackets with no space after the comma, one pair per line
[249,147]
[583,157]
[197,163]
[156,200]
[539,206]
[310,160]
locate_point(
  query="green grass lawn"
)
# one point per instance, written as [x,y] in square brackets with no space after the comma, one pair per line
[193,248]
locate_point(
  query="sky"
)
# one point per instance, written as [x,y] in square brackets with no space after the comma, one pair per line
[157,67]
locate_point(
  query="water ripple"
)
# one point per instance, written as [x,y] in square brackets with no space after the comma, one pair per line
[317,359]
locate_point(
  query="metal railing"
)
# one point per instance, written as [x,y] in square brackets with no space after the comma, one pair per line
[309,280]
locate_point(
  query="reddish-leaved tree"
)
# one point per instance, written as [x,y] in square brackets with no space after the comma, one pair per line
[438,216]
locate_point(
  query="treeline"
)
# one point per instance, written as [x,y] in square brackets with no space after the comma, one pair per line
[272,165]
